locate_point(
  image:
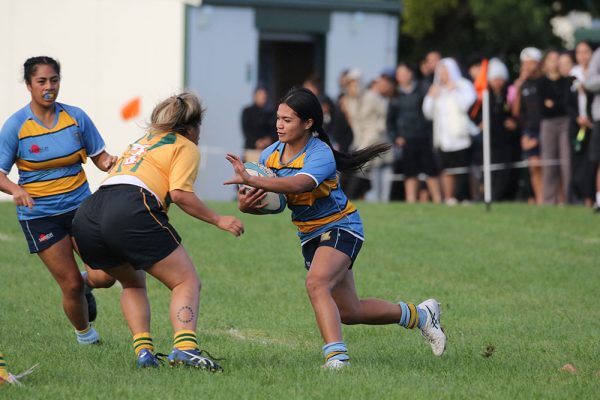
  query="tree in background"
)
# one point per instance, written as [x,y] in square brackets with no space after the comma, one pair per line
[473,28]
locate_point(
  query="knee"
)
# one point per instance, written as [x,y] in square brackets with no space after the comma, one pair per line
[72,287]
[315,286]
[192,282]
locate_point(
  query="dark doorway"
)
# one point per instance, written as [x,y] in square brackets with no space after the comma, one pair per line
[286,60]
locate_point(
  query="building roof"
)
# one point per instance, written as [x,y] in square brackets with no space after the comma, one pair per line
[385,6]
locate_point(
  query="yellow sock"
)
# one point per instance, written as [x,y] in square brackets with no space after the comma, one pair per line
[142,340]
[185,340]
[86,330]
[3,371]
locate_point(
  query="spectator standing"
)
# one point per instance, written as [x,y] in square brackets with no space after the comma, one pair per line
[554,131]
[428,65]
[504,135]
[583,183]
[258,125]
[527,108]
[334,121]
[446,104]
[368,110]
[592,84]
[411,132]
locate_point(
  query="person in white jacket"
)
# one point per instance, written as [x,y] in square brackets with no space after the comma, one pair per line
[447,104]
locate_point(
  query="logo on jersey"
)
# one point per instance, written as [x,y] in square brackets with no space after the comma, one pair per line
[35,149]
[43,237]
[136,151]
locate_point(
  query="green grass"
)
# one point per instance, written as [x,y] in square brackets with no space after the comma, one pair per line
[524,280]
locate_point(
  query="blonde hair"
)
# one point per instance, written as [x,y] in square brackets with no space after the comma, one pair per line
[178,113]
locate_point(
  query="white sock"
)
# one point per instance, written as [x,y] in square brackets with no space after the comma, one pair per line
[598,198]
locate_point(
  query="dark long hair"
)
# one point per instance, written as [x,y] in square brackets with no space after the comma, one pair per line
[307,106]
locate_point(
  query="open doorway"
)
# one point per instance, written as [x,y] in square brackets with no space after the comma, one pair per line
[286,60]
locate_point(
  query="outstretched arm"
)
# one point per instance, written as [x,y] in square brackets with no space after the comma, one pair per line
[289,184]
[192,205]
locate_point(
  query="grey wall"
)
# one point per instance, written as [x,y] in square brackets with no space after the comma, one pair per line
[366,41]
[222,51]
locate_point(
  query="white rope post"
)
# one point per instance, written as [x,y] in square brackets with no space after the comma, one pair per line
[487,174]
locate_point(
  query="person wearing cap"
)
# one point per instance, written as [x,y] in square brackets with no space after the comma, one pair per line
[367,111]
[526,107]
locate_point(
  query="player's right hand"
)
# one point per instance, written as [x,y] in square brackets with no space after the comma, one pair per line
[250,199]
[22,198]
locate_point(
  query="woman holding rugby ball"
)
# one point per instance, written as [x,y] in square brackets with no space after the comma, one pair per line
[329,226]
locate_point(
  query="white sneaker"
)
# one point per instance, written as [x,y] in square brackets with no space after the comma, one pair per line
[335,364]
[433,331]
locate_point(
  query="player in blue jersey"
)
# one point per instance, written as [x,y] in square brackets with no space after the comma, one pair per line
[48,141]
[329,226]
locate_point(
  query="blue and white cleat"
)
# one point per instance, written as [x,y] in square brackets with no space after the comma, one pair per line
[147,359]
[433,331]
[90,337]
[335,364]
[193,358]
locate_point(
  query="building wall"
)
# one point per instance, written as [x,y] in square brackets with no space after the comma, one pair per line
[366,41]
[114,50]
[222,68]
[110,51]
[222,52]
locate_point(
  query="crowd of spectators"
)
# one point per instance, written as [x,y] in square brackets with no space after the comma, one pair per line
[544,128]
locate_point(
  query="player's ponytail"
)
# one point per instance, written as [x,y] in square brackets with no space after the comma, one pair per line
[307,106]
[178,114]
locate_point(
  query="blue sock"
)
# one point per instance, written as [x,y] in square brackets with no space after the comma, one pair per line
[412,316]
[336,351]
[422,318]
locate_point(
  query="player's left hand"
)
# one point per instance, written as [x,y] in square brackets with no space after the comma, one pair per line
[104,161]
[241,175]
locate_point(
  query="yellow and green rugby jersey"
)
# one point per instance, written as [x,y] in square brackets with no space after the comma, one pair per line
[160,163]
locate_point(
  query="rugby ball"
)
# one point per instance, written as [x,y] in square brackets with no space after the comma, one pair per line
[275,202]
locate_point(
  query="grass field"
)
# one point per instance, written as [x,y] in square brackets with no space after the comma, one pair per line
[523,280]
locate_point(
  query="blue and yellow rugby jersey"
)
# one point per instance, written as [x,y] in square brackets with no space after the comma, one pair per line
[159,163]
[49,159]
[324,207]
